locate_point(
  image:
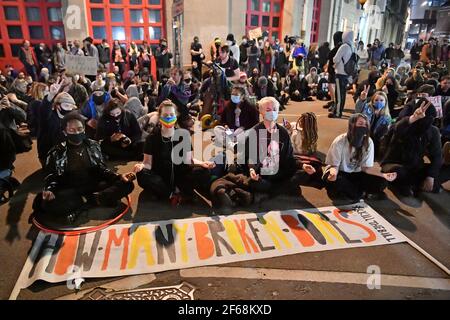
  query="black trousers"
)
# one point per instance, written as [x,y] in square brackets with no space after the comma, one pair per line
[301,178]
[353,185]
[70,199]
[186,180]
[133,152]
[413,178]
[340,94]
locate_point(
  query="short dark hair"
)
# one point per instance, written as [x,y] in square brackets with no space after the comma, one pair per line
[71,116]
[447,77]
[225,48]
[112,104]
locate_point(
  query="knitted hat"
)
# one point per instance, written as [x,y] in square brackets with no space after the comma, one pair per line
[64,97]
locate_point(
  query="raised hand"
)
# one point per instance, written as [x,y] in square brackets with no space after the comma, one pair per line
[364,93]
[420,112]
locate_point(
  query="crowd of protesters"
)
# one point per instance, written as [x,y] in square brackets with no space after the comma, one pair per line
[137,103]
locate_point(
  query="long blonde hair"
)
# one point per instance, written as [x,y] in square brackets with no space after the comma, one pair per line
[37,90]
[385,111]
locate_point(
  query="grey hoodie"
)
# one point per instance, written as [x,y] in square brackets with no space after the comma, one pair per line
[344,53]
[133,104]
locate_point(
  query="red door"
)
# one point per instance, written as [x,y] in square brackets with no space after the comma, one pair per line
[35,20]
[315,21]
[266,14]
[127,21]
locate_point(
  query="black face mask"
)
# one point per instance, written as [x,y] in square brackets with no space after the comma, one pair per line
[98,100]
[76,138]
[116,118]
[358,136]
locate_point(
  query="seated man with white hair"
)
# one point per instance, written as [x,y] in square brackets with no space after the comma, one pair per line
[269,155]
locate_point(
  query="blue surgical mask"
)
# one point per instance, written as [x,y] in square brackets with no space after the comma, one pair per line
[271,115]
[378,105]
[236,99]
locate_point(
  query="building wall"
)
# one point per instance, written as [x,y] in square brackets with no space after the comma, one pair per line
[75,19]
[210,19]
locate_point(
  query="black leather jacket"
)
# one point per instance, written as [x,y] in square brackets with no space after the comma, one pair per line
[56,165]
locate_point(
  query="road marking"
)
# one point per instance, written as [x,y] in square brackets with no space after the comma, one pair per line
[315,276]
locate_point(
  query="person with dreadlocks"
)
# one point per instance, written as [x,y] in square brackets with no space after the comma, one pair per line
[304,140]
[349,164]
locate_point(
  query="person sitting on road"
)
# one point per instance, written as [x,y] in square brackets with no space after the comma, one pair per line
[297,87]
[369,82]
[239,113]
[313,81]
[160,173]
[304,137]
[349,162]
[376,110]
[323,92]
[276,163]
[119,132]
[408,141]
[179,93]
[93,110]
[76,169]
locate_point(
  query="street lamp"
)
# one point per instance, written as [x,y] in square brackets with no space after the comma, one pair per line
[362,3]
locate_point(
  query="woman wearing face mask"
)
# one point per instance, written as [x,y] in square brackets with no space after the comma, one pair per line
[277,85]
[179,93]
[120,132]
[93,110]
[377,112]
[269,155]
[162,173]
[349,162]
[239,113]
[408,141]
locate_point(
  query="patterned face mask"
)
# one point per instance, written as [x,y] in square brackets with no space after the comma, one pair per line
[168,122]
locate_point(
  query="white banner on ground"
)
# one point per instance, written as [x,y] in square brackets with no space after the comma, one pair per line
[130,249]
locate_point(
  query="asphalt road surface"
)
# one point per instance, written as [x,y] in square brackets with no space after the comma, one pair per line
[337,274]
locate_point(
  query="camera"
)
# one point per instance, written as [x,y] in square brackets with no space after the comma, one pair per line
[290,39]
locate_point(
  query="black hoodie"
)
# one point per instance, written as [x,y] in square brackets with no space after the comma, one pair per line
[337,39]
[407,144]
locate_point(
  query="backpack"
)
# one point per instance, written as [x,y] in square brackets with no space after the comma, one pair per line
[351,66]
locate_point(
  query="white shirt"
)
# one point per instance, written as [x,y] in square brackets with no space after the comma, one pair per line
[340,155]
